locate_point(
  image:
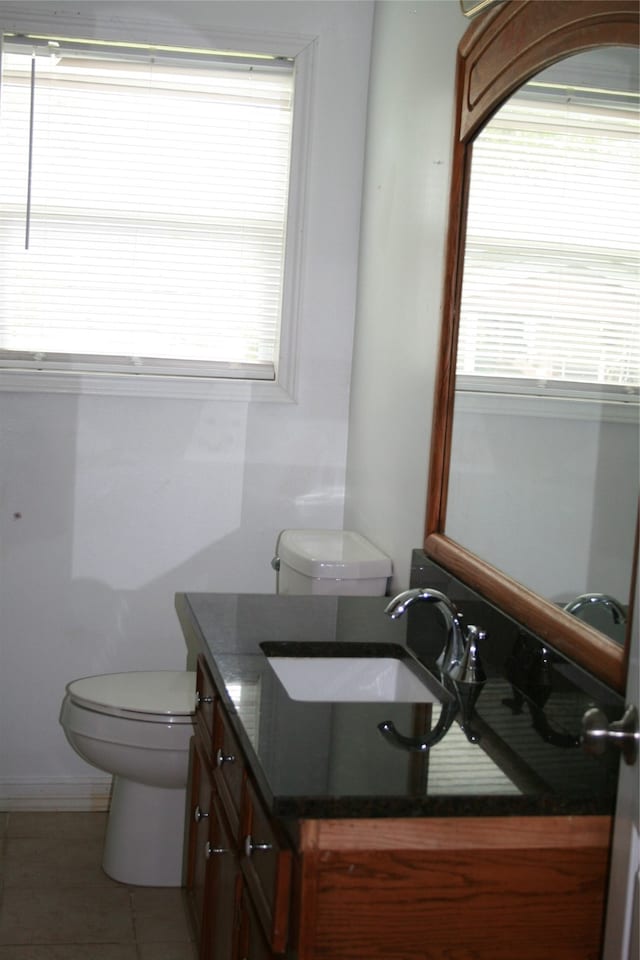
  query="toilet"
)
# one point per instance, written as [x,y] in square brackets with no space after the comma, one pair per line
[334,562]
[137,726]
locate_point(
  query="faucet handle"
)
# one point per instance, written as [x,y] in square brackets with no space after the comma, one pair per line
[470,669]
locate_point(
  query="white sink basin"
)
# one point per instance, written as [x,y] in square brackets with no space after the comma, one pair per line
[351,679]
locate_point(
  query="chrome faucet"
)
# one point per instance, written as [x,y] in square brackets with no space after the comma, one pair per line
[460,667]
[461,644]
[597,599]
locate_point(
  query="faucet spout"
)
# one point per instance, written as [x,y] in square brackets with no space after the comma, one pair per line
[455,646]
[396,607]
[597,599]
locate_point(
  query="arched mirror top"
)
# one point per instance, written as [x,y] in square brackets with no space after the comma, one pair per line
[504,48]
[514,41]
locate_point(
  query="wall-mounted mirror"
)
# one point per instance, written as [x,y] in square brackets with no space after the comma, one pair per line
[533,493]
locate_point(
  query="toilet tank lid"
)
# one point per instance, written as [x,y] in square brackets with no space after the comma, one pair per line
[159,692]
[332,554]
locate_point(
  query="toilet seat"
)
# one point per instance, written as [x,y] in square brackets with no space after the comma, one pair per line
[157,696]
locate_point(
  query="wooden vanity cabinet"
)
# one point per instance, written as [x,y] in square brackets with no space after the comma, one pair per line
[238,863]
[423,888]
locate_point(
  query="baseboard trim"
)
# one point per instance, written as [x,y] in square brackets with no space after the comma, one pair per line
[69,793]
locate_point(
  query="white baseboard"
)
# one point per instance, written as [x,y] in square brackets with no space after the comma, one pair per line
[69,793]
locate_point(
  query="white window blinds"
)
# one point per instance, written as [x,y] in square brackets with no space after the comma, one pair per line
[550,288]
[149,234]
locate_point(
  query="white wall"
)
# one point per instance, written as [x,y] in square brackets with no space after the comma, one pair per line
[109,505]
[401,262]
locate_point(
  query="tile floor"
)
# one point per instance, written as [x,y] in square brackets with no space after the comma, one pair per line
[57,904]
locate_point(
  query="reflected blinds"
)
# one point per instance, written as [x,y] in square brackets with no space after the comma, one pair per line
[158,205]
[550,288]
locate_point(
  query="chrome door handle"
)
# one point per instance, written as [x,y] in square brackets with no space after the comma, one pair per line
[200,699]
[199,814]
[598,733]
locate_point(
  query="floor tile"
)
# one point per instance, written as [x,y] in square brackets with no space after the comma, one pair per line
[163,951]
[63,825]
[82,951]
[89,914]
[47,861]
[159,914]
[56,903]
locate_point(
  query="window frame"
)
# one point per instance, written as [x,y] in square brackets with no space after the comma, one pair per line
[95,378]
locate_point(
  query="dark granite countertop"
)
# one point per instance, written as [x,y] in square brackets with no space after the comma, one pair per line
[319,759]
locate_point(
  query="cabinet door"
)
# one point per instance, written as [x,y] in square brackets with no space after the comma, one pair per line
[205,703]
[229,765]
[267,865]
[222,890]
[200,801]
[253,945]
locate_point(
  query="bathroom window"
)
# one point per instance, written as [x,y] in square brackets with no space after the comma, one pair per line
[550,290]
[146,213]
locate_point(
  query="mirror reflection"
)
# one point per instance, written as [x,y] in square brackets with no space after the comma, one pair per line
[545,459]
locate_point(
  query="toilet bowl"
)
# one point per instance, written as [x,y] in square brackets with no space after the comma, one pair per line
[137,726]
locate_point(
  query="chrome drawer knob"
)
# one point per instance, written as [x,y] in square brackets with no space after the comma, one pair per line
[199,814]
[251,847]
[200,699]
[210,851]
[221,758]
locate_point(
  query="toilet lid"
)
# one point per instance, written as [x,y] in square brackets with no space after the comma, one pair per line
[162,693]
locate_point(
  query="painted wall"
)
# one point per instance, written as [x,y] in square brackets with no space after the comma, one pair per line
[408,162]
[109,505]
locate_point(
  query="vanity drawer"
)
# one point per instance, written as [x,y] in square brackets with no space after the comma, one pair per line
[200,803]
[229,768]
[266,863]
[205,701]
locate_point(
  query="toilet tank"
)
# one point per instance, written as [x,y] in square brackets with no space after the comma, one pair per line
[330,562]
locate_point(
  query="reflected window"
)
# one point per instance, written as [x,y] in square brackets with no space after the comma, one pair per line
[550,288]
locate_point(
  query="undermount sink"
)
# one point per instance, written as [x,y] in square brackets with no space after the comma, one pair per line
[351,679]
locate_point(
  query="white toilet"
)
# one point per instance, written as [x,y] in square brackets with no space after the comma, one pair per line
[330,562]
[137,726]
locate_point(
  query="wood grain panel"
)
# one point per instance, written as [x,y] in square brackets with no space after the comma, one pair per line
[458,833]
[490,905]
[542,36]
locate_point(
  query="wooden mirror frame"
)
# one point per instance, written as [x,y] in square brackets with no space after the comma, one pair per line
[500,51]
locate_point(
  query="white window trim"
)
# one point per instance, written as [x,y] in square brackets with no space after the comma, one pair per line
[505,397]
[284,388]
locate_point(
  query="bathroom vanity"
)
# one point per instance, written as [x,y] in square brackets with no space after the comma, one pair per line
[312,837]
